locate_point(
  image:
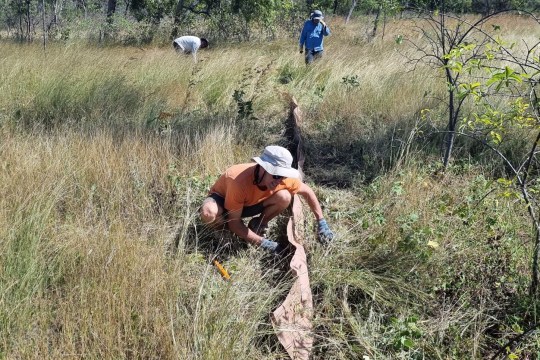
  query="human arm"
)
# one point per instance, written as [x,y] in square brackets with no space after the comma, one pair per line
[303,37]
[309,195]
[325,29]
[324,232]
[237,226]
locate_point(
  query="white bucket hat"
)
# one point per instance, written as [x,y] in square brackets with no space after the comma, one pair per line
[277,160]
[317,14]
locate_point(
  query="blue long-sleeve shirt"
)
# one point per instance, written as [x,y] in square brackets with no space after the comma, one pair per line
[312,35]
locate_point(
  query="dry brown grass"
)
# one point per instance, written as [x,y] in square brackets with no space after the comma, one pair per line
[88,215]
[103,285]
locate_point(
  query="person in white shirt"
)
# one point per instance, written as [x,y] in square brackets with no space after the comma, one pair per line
[190,45]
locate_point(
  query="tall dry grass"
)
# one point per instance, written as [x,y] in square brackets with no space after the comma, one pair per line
[82,83]
[85,270]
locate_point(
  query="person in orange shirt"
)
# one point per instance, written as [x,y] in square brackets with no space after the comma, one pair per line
[261,190]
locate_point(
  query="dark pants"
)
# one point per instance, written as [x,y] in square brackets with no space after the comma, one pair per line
[312,55]
[247,211]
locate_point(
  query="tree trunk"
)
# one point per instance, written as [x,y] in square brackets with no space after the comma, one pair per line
[55,13]
[384,24]
[83,4]
[178,15]
[376,21]
[353,5]
[28,22]
[536,254]
[535,218]
[111,9]
[487,8]
[54,20]
[20,13]
[450,136]
[43,20]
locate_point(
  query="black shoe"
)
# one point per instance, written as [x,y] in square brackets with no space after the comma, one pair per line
[256,226]
[281,249]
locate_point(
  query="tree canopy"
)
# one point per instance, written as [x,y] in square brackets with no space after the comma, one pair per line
[232,19]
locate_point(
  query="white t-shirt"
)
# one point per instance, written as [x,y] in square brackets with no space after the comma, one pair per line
[188,44]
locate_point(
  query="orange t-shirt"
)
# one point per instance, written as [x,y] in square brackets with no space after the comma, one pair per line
[236,186]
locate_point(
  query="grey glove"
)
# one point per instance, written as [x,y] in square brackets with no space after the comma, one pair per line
[272,246]
[325,234]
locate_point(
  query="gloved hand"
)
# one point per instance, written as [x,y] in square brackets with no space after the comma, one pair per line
[325,234]
[272,246]
[301,49]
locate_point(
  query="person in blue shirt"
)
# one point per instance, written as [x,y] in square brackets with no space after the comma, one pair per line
[312,36]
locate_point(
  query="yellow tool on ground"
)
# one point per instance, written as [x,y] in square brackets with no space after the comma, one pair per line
[222,270]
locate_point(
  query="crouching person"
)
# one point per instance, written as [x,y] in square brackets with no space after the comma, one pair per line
[261,190]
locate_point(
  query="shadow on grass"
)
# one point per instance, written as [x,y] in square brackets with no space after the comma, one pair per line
[341,158]
[196,237]
[221,244]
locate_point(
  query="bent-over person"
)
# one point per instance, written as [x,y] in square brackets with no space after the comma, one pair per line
[190,45]
[261,190]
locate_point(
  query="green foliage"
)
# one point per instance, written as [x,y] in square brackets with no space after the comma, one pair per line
[183,184]
[19,18]
[405,333]
[416,238]
[495,123]
[389,7]
[129,32]
[471,6]
[152,10]
[288,73]
[243,18]
[263,11]
[350,81]
[245,107]
[504,77]
[454,58]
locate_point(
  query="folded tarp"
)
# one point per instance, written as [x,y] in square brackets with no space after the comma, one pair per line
[292,319]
